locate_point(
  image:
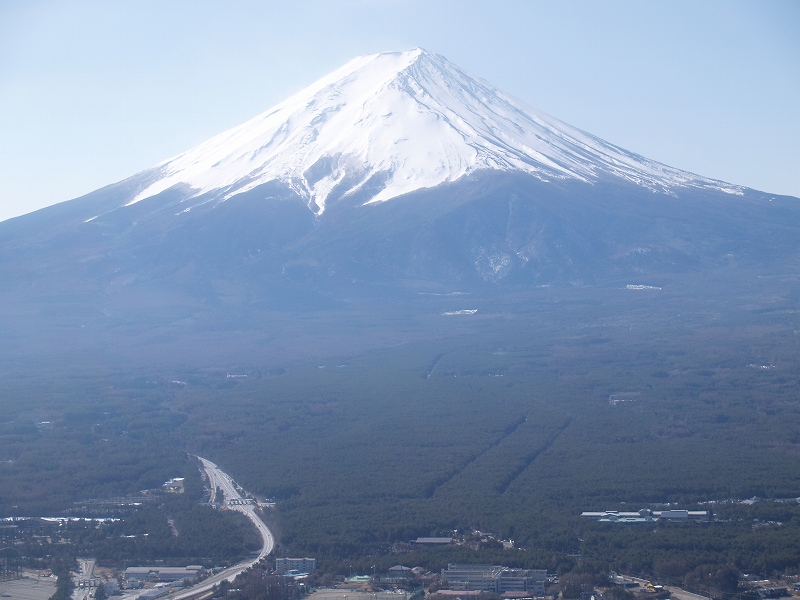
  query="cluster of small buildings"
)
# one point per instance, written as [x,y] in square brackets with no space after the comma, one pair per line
[773,592]
[494,578]
[646,515]
[174,485]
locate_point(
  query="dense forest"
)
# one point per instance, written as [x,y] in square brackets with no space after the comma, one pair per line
[511,421]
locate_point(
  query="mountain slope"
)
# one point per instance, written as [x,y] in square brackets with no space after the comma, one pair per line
[396,172]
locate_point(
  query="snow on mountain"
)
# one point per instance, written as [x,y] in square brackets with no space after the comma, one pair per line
[397,122]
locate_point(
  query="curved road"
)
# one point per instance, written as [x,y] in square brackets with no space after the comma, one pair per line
[218,479]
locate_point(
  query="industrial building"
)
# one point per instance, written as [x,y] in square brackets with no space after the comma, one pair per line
[646,515]
[494,578]
[164,573]
[152,594]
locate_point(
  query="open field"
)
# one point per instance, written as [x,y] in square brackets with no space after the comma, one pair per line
[345,594]
[28,588]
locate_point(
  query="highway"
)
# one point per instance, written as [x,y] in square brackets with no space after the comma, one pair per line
[87,573]
[218,479]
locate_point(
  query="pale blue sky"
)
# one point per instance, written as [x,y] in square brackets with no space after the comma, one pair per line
[94,91]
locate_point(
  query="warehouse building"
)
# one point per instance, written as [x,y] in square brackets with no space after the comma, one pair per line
[191,573]
[646,515]
[494,578]
[152,594]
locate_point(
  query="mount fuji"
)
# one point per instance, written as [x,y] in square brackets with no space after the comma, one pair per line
[394,175]
[396,123]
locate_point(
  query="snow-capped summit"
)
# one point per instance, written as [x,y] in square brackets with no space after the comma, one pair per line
[393,123]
